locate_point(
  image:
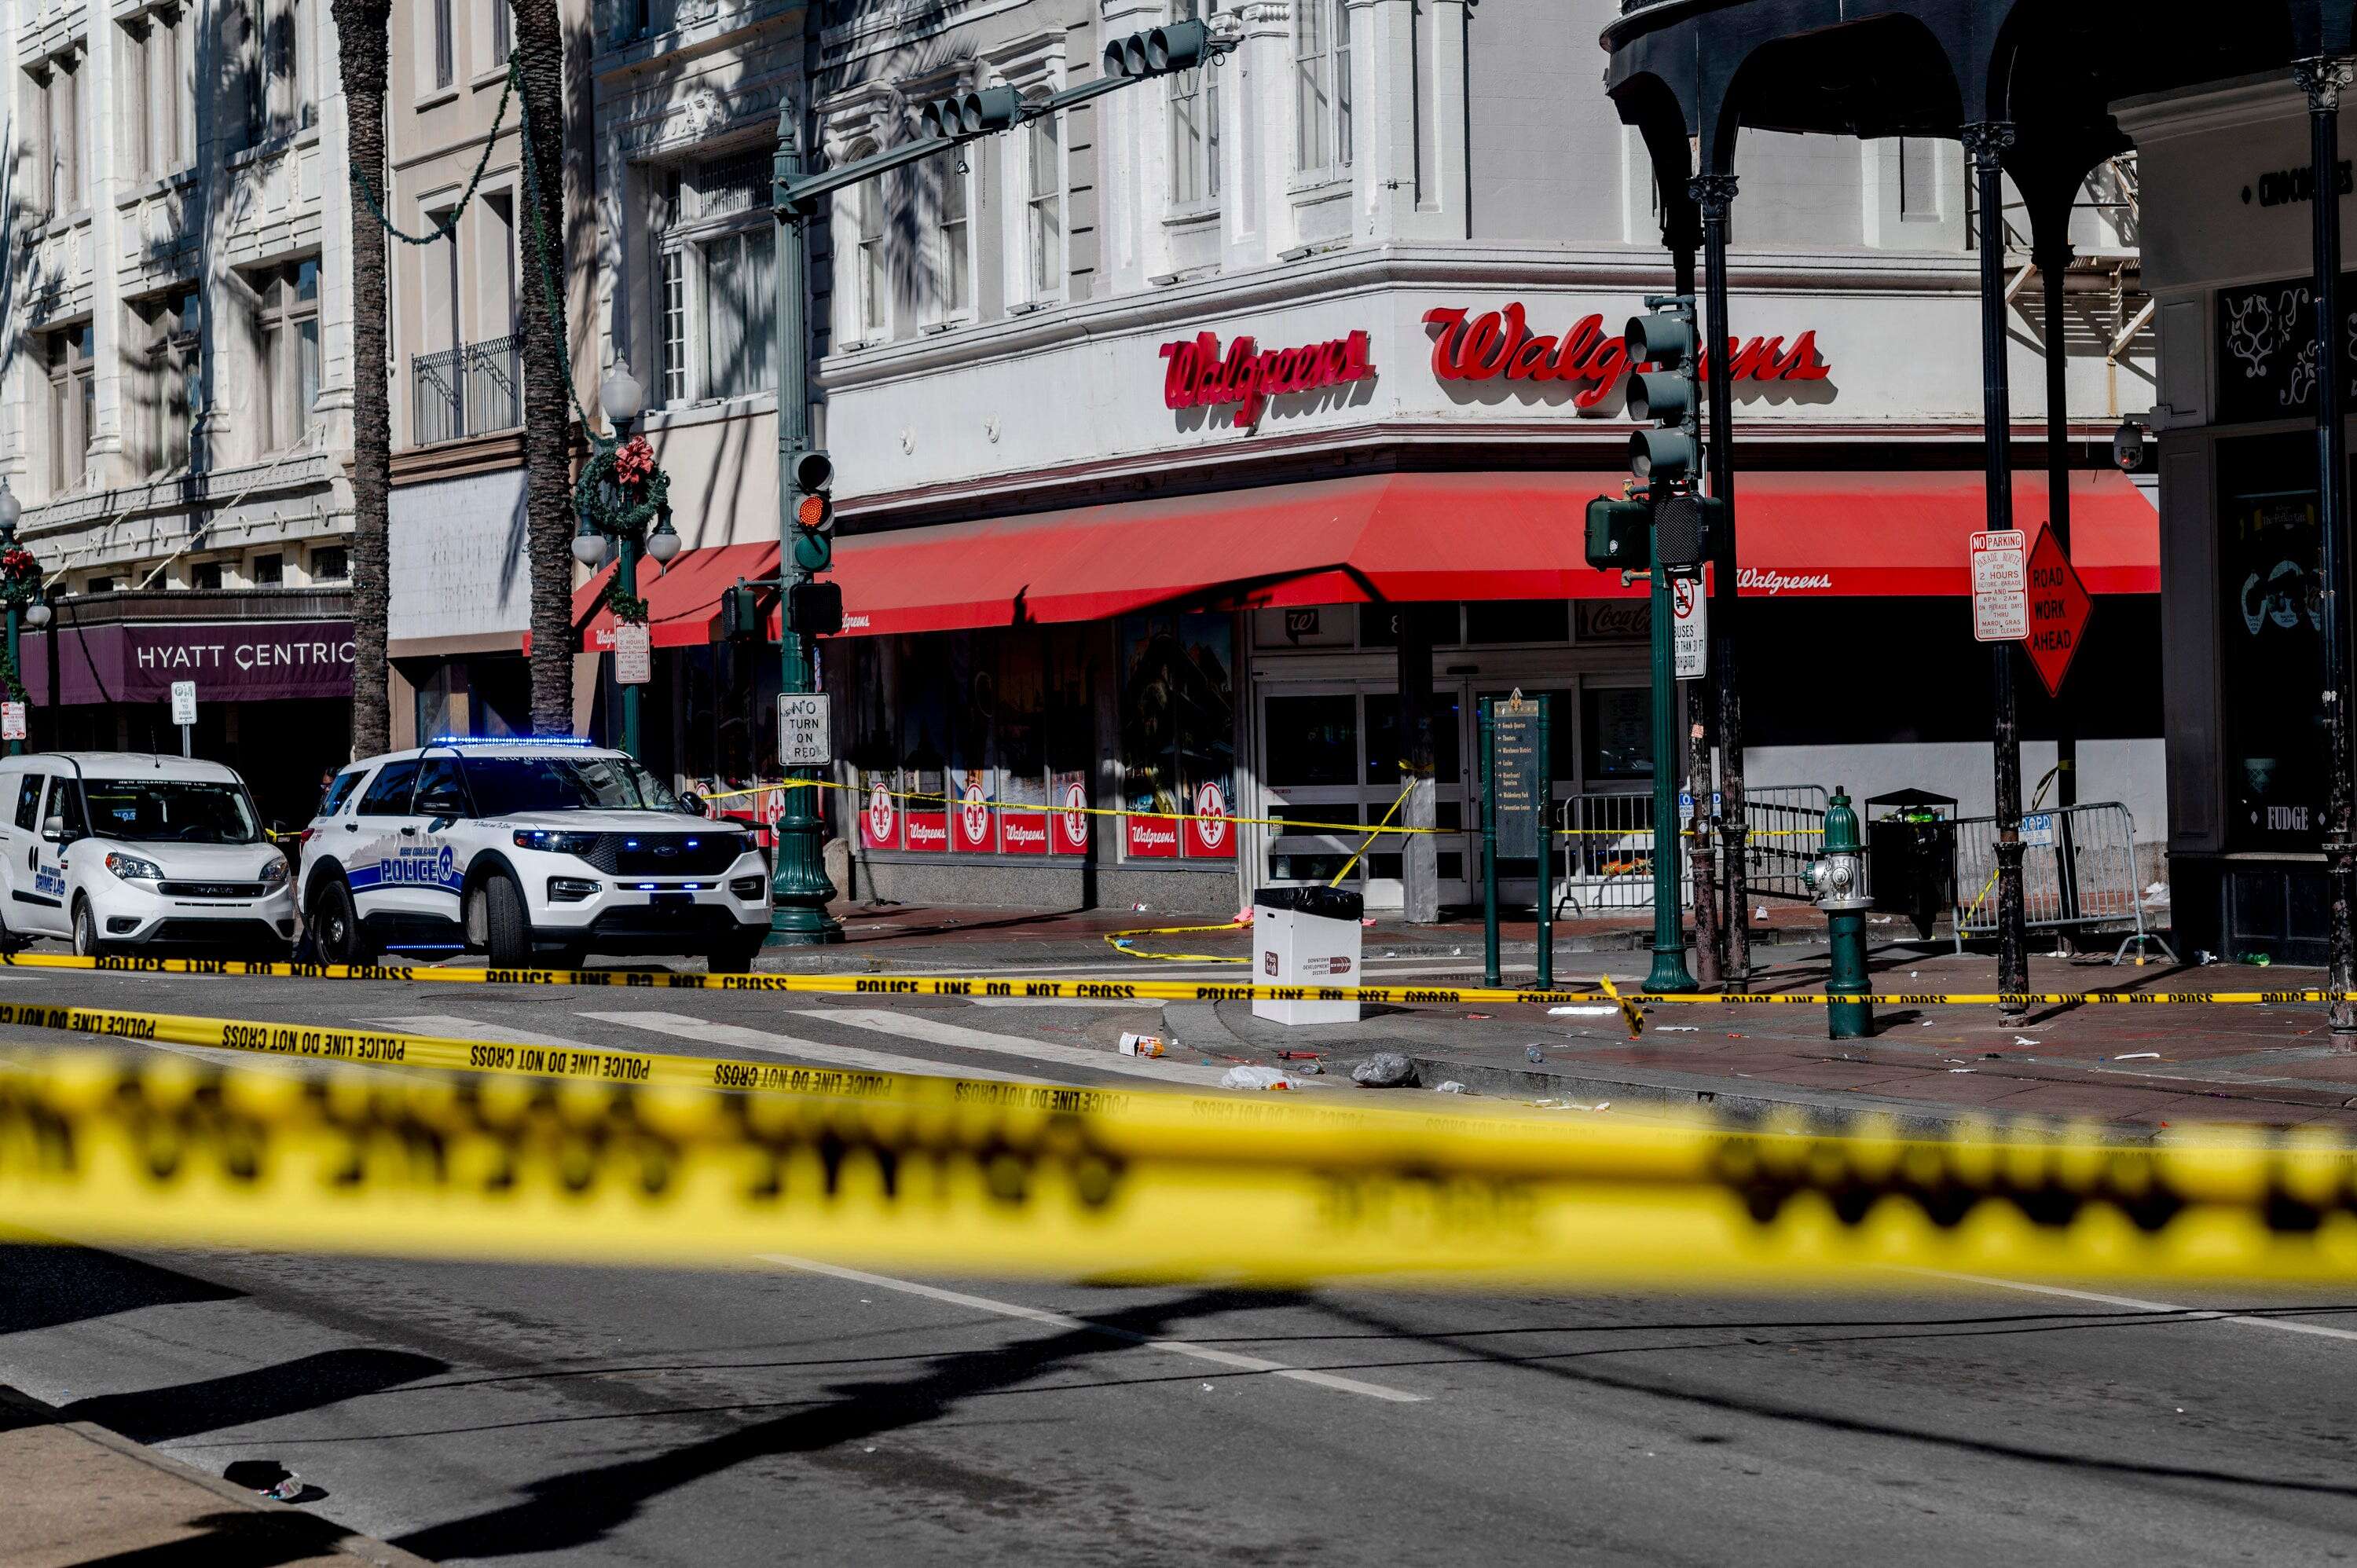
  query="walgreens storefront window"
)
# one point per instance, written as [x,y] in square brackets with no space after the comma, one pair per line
[1178,735]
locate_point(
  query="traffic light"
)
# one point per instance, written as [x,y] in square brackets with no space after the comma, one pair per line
[1157,51]
[964,114]
[1616,534]
[1683,525]
[740,613]
[1669,454]
[813,481]
[815,609]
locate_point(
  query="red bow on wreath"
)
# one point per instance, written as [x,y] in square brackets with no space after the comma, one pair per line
[634,462]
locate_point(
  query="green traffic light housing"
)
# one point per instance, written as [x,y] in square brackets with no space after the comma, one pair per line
[1616,534]
[1662,337]
[1662,455]
[1665,395]
[815,609]
[814,477]
[740,613]
[964,115]
[1157,51]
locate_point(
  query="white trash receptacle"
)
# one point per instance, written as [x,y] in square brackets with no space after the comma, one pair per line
[1307,936]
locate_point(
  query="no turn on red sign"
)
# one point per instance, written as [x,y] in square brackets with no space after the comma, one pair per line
[2058,607]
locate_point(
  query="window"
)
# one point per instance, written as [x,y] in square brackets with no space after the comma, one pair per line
[388,796]
[1177,710]
[99,586]
[164,392]
[330,564]
[28,803]
[495,257]
[63,191]
[156,136]
[502,34]
[951,262]
[446,45]
[874,287]
[286,335]
[205,575]
[341,790]
[1043,169]
[1194,123]
[740,313]
[1321,86]
[269,570]
[715,279]
[441,793]
[72,405]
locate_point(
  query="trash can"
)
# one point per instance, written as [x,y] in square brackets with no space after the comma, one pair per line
[1911,854]
[1307,936]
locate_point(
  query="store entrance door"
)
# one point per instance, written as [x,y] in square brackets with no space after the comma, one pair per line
[1330,752]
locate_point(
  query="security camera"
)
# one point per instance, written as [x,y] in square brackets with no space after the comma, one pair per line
[2127,447]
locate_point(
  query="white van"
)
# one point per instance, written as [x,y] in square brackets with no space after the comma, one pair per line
[114,850]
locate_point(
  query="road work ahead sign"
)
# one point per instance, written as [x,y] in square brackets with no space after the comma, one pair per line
[2058,611]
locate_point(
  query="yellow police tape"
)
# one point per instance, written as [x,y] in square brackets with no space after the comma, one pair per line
[1155,1188]
[1135,990]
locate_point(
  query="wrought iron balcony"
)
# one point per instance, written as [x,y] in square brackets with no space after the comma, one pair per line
[471,391]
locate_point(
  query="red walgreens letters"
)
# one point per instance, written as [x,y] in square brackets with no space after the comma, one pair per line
[1198,377]
[1499,343]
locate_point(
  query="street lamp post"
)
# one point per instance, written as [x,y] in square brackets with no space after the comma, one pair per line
[621,396]
[20,613]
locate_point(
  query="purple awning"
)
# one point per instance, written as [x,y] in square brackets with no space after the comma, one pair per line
[229,660]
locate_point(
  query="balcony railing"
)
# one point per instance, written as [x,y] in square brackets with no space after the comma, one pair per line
[471,391]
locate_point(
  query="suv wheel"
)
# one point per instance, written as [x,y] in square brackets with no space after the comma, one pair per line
[506,926]
[733,955]
[337,934]
[86,943]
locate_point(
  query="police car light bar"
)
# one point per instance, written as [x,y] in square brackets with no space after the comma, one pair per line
[511,740]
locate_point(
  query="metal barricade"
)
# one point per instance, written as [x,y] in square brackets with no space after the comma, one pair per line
[1786,825]
[2078,872]
[1607,855]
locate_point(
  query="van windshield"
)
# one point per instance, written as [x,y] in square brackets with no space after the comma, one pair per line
[170,810]
[504,785]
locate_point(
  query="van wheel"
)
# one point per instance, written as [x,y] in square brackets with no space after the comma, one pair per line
[506,926]
[85,932]
[733,955]
[337,934]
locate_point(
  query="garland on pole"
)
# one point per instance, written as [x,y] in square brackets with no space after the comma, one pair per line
[20,586]
[640,493]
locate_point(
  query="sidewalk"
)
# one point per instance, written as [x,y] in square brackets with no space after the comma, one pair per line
[74,1493]
[2148,1070]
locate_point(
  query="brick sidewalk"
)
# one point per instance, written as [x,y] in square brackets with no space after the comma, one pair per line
[72,1492]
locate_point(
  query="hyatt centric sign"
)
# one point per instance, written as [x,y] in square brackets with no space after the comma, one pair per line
[229,662]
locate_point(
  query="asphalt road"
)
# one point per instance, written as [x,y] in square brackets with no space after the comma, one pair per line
[476,1414]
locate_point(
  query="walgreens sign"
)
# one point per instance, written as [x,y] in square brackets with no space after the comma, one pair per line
[1499,345]
[1198,375]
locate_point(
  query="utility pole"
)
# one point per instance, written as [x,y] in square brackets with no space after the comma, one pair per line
[800,889]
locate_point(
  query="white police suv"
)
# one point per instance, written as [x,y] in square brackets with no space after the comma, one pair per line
[531,851]
[115,849]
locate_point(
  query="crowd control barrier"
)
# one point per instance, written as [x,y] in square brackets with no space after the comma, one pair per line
[2078,873]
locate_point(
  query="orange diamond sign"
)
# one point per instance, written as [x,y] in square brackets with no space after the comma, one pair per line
[2058,605]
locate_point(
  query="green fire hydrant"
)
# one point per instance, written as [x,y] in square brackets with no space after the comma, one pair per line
[1839,880]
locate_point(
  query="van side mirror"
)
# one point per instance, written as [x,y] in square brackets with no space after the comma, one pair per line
[56,830]
[693,803]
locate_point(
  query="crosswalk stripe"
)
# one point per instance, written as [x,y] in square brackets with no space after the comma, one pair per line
[451,1026]
[687,1029]
[915,1025]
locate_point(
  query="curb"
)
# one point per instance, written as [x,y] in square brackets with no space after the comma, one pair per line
[280,1533]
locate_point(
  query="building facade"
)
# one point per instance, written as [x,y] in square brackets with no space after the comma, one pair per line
[176,408]
[1162,424]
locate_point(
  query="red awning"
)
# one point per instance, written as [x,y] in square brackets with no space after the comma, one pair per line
[683,600]
[1409,537]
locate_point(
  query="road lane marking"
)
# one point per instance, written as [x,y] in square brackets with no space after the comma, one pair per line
[1128,1336]
[686,1028]
[2194,1314]
[916,1026]
[451,1026]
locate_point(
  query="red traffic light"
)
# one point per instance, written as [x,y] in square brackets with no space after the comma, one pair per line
[814,512]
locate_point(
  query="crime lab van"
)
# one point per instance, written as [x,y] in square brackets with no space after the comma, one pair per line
[534,853]
[115,849]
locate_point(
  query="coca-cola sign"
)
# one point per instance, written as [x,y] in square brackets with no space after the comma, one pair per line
[1199,376]
[1499,344]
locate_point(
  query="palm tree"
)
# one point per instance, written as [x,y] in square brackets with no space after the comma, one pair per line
[362,33]
[547,369]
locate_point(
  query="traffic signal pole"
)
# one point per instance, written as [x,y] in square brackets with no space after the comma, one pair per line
[800,889]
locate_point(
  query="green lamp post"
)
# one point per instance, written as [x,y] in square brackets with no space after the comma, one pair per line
[20,592]
[1839,881]
[620,490]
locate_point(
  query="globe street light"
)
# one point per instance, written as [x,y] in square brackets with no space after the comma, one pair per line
[622,397]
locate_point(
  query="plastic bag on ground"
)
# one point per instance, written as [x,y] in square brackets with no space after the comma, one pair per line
[1385,1069]
[1254,1078]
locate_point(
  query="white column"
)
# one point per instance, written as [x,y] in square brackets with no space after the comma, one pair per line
[1449,207]
[1133,150]
[1382,51]
[96,104]
[1257,214]
[15,438]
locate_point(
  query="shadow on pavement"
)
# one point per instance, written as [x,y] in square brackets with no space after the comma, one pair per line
[234,1539]
[574,1510]
[52,1284]
[183,1410]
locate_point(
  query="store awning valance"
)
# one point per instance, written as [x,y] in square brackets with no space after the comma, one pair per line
[1410,537]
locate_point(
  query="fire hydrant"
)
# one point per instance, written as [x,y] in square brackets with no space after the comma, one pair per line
[1839,882]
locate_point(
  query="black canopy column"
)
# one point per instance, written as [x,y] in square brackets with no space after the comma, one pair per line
[1986,143]
[2322,80]
[1714,193]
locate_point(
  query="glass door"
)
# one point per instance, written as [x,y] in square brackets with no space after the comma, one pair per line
[1330,756]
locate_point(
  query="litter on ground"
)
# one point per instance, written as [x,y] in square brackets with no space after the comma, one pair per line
[1254,1078]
